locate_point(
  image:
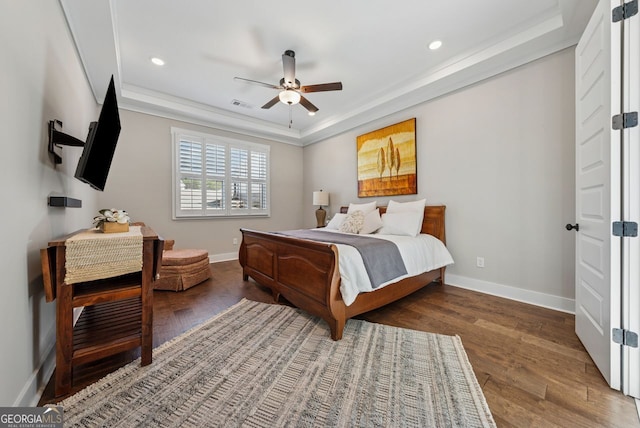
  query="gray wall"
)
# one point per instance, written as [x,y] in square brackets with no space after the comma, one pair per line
[41,80]
[500,155]
[140,182]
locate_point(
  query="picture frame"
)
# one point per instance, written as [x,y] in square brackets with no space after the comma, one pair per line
[387,162]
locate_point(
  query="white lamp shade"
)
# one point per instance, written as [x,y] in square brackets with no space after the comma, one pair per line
[289,96]
[321,198]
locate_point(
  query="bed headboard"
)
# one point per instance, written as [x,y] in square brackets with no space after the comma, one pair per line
[432,223]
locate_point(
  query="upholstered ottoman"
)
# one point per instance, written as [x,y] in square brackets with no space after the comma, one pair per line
[182,269]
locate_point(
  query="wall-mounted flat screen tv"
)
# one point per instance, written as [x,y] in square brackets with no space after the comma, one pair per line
[93,166]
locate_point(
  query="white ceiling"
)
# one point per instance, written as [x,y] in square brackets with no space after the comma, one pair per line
[376,48]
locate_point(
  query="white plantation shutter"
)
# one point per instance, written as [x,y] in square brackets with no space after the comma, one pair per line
[239,178]
[259,174]
[190,173]
[219,177]
[215,179]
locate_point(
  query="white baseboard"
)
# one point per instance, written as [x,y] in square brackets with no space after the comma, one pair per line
[557,303]
[36,383]
[223,257]
[549,301]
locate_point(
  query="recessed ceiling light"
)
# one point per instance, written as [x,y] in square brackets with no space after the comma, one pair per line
[157,61]
[435,45]
[312,113]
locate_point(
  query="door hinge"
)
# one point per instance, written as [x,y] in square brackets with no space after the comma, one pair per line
[625,120]
[624,11]
[624,337]
[625,228]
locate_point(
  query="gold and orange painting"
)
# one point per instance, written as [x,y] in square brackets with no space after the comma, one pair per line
[387,161]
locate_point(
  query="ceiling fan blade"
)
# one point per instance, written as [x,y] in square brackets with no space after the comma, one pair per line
[271,103]
[307,104]
[255,82]
[335,86]
[289,67]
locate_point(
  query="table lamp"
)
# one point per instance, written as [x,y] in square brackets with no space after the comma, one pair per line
[321,198]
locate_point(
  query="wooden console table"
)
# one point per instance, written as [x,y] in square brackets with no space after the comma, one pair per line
[117,315]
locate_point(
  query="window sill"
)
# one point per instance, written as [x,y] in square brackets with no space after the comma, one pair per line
[221,217]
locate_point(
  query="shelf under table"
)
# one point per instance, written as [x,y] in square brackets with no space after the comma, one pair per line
[106,329]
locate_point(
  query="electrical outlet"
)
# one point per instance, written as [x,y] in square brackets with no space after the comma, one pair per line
[480,262]
[235,241]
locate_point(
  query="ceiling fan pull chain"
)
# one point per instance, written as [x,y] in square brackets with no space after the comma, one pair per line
[290,116]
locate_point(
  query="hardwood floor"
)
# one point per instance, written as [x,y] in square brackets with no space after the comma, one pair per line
[532,368]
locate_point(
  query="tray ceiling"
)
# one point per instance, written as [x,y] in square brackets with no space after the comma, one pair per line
[378,49]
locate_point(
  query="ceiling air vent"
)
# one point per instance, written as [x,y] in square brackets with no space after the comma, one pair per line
[239,103]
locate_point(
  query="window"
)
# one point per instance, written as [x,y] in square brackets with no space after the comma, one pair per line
[218,177]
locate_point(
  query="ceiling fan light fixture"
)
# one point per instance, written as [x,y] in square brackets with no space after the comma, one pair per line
[289,97]
[290,87]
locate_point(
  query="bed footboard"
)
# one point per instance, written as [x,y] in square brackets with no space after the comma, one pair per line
[306,274]
[303,272]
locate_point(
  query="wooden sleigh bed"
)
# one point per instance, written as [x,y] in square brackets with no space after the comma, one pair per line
[306,272]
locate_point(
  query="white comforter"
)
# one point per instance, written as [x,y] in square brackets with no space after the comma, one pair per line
[420,254]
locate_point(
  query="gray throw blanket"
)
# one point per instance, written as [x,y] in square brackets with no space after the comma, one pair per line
[381,258]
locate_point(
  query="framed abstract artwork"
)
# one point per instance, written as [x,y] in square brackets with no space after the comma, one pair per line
[387,161]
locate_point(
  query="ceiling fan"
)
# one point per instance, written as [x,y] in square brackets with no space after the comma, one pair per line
[290,89]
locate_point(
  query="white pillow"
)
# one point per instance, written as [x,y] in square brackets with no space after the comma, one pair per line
[399,207]
[336,221]
[353,223]
[372,222]
[413,206]
[402,223]
[365,208]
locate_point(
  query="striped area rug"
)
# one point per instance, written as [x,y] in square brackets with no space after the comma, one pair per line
[261,365]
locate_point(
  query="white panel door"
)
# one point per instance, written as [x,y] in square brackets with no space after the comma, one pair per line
[598,190]
[631,203]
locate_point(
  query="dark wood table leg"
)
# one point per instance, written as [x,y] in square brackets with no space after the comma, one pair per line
[147,302]
[64,328]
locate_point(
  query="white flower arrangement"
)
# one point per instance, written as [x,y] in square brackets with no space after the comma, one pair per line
[111,216]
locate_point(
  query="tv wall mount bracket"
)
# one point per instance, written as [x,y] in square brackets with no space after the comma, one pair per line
[58,139]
